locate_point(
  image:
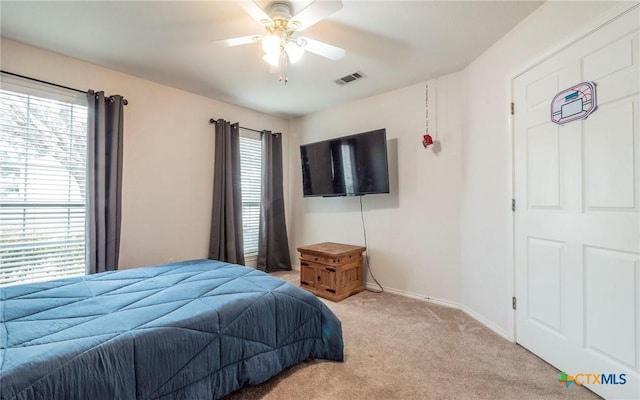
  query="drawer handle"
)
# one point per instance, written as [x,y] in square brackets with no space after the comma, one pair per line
[304,283]
[330,269]
[330,290]
[304,264]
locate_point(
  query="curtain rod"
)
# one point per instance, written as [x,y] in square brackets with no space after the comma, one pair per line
[124,101]
[213,121]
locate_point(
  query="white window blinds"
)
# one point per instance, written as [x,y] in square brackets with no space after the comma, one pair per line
[251,178]
[43,145]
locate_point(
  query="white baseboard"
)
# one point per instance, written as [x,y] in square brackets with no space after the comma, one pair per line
[445,303]
[416,296]
[440,302]
[485,322]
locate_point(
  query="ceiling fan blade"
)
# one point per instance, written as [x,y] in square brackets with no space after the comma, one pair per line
[314,12]
[237,41]
[323,49]
[254,10]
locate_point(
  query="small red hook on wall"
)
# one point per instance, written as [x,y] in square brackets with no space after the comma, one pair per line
[427,140]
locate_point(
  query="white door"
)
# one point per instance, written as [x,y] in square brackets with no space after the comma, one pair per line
[577,220]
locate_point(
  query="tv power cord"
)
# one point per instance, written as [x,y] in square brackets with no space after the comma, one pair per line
[367,264]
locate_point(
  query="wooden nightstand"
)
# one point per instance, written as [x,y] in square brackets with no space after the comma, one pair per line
[331,270]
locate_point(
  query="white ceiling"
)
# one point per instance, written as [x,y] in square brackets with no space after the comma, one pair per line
[394,43]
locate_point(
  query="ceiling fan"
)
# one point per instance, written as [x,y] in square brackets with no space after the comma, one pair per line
[282,43]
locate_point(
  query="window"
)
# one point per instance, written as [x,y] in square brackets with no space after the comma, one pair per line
[43,146]
[250,178]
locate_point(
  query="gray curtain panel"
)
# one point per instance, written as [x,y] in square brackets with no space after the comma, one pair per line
[273,245]
[225,243]
[104,180]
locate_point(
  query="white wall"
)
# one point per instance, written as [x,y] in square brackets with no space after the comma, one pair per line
[447,232]
[168,153]
[486,223]
[412,232]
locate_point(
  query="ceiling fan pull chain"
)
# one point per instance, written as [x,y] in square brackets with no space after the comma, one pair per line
[285,68]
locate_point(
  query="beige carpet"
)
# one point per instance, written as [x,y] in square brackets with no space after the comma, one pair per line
[400,348]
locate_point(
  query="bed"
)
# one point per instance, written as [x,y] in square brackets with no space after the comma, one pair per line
[192,330]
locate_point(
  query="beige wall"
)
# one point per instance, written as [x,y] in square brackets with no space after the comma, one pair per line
[486,228]
[168,153]
[444,233]
[413,231]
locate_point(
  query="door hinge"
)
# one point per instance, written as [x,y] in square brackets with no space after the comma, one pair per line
[513,302]
[513,108]
[513,205]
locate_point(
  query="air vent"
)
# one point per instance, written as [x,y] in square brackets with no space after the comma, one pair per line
[350,78]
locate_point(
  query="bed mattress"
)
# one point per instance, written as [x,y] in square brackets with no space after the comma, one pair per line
[192,330]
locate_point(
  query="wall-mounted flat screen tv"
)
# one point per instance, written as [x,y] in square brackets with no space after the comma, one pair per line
[352,165]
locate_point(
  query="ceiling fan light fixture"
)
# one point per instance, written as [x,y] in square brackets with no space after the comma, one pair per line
[294,51]
[294,25]
[272,58]
[271,44]
[281,44]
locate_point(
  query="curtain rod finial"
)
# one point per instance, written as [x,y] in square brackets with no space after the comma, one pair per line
[212,121]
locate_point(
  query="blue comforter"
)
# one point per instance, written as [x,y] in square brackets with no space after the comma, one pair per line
[192,330]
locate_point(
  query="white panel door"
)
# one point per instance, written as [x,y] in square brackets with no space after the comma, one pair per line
[577,220]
